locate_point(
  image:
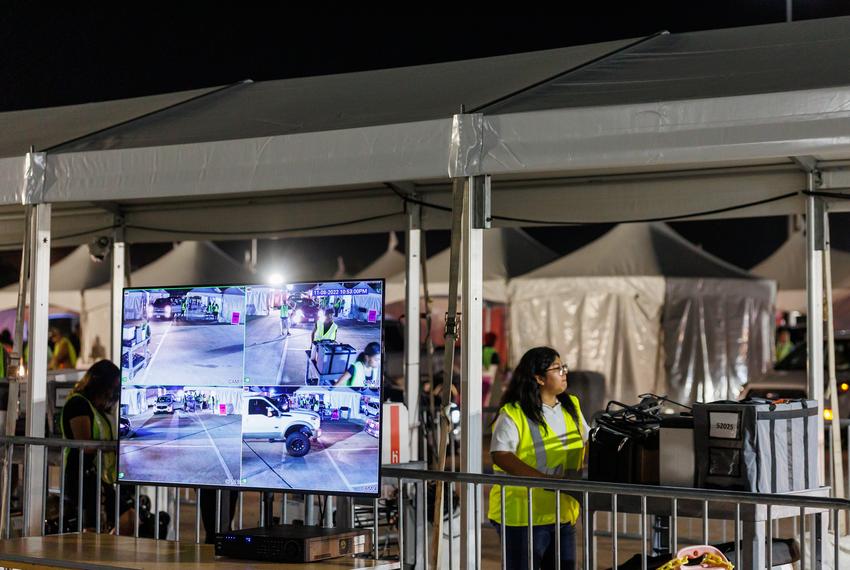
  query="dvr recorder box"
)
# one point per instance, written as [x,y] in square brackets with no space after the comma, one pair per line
[288,543]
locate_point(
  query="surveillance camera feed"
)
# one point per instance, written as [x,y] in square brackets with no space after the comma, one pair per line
[253,386]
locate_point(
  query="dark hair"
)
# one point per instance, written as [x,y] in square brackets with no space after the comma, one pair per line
[99,383]
[490,339]
[372,349]
[524,389]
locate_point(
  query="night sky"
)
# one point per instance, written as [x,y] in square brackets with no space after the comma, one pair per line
[60,54]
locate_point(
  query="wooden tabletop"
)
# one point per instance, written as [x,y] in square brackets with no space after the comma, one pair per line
[93,551]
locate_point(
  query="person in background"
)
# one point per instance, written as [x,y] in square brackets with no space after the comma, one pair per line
[64,353]
[85,416]
[6,340]
[364,372]
[490,356]
[784,346]
[325,330]
[338,305]
[539,432]
[285,311]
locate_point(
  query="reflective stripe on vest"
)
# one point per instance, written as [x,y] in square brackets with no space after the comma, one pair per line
[547,454]
[322,334]
[101,430]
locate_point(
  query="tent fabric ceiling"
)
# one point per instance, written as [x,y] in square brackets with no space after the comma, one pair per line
[76,272]
[192,263]
[787,265]
[52,126]
[343,101]
[716,63]
[652,249]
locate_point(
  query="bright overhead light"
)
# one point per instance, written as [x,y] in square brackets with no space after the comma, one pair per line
[276,279]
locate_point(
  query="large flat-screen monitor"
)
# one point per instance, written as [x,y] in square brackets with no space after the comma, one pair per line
[253,386]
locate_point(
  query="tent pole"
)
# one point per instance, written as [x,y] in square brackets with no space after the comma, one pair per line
[475,218]
[815,213]
[118,280]
[412,343]
[459,202]
[37,368]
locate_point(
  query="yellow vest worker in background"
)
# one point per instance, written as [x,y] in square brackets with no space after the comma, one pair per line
[64,353]
[539,432]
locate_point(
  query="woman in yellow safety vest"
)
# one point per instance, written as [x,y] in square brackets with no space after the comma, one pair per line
[539,432]
[85,416]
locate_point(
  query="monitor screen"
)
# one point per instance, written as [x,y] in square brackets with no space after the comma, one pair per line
[253,386]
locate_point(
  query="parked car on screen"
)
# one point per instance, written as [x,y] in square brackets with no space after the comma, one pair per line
[262,419]
[165,404]
[125,429]
[161,309]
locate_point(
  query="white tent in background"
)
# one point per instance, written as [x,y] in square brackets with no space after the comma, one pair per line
[508,252]
[189,263]
[651,312]
[335,397]
[362,305]
[232,306]
[392,262]
[787,266]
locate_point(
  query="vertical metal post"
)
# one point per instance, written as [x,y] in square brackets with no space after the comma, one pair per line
[474,221]
[137,493]
[7,512]
[46,490]
[375,528]
[62,492]
[309,510]
[81,458]
[705,522]
[36,416]
[643,532]
[118,281]
[283,509]
[502,528]
[531,563]
[557,530]
[411,331]
[198,515]
[117,488]
[587,529]
[738,533]
[329,512]
[815,242]
[218,510]
[177,514]
[803,538]
[769,528]
[401,515]
[98,490]
[835,540]
[674,528]
[156,513]
[613,529]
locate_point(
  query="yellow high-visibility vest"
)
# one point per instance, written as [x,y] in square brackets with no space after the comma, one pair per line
[101,430]
[547,453]
[322,334]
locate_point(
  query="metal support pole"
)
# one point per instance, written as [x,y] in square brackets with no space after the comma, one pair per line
[411,331]
[815,241]
[309,510]
[118,281]
[474,220]
[37,369]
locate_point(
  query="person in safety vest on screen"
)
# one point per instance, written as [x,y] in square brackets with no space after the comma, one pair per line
[85,416]
[327,329]
[285,311]
[64,353]
[539,432]
[365,371]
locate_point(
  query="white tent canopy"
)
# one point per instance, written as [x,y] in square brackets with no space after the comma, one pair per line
[508,252]
[712,128]
[335,397]
[787,266]
[615,305]
[390,263]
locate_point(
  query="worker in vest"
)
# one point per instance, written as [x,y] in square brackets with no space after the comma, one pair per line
[784,346]
[64,353]
[85,416]
[325,329]
[339,303]
[365,372]
[285,323]
[539,432]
